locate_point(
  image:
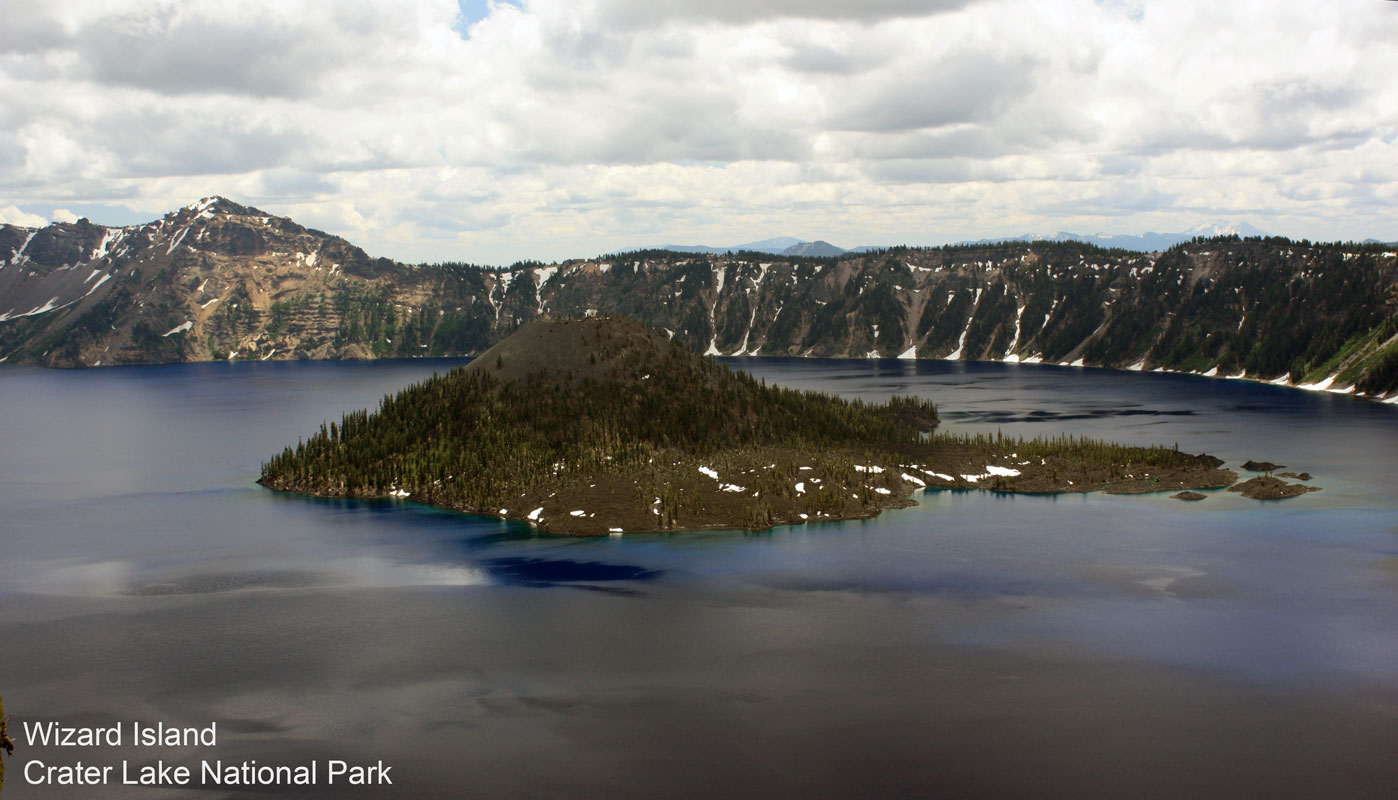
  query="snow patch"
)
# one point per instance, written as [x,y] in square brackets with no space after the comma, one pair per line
[186,325]
[108,239]
[1318,386]
[543,275]
[742,348]
[1019,312]
[910,353]
[961,343]
[46,307]
[177,241]
[19,254]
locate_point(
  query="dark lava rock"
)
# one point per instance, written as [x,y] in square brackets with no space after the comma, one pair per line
[1269,488]
[1262,466]
[1192,496]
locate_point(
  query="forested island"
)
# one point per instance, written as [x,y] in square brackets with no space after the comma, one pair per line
[601,425]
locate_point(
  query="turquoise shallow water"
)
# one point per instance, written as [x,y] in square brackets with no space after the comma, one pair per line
[144,574]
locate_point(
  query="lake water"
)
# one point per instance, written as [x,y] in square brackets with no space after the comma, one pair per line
[977,645]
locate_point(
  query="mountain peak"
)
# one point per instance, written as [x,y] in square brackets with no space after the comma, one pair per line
[776,245]
[563,350]
[817,249]
[218,204]
[1224,227]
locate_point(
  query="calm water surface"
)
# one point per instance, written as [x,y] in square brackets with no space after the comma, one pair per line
[976,645]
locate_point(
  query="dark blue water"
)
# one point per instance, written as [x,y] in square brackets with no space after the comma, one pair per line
[1255,643]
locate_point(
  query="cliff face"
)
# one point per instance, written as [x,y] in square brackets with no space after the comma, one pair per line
[213,279]
[217,280]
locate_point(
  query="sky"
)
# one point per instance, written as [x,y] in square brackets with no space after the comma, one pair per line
[489,131]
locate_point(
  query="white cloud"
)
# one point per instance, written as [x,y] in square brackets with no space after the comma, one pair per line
[556,128]
[63,215]
[629,13]
[11,215]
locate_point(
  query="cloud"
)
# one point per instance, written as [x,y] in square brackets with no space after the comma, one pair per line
[632,13]
[11,215]
[962,87]
[29,29]
[63,215]
[552,128]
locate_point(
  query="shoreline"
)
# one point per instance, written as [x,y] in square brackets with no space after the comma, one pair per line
[766,488]
[1323,386]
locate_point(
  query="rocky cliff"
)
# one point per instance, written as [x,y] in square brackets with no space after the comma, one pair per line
[216,280]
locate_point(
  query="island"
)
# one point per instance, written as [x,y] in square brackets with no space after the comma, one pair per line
[600,425]
[1267,487]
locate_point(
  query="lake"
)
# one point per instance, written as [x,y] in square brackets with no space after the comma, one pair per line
[977,645]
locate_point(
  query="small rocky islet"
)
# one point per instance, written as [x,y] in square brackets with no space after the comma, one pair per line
[600,425]
[1269,486]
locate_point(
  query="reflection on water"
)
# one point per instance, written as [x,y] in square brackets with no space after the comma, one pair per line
[1000,417]
[212,582]
[830,659]
[541,572]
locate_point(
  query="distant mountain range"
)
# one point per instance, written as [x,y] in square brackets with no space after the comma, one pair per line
[1150,242]
[777,246]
